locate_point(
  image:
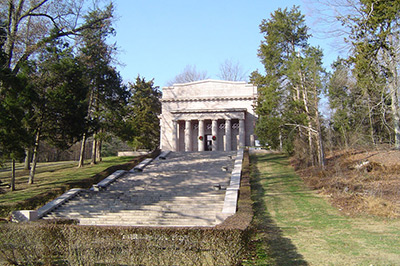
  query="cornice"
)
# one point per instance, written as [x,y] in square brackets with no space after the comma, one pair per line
[206,99]
[194,111]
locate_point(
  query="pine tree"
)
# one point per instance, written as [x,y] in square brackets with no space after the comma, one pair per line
[106,91]
[376,58]
[13,101]
[59,99]
[144,108]
[289,92]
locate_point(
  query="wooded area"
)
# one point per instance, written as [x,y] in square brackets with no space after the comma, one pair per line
[58,84]
[362,90]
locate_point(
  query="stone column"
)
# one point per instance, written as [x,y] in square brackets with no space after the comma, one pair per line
[200,143]
[174,135]
[228,135]
[214,130]
[242,133]
[188,135]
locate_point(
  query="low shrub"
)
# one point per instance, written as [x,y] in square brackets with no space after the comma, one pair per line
[38,244]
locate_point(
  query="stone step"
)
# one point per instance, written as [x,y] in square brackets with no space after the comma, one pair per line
[177,191]
[154,206]
[134,202]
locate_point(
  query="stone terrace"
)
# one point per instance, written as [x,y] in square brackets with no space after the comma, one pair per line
[178,191]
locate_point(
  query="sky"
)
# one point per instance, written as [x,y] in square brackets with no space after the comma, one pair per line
[157,39]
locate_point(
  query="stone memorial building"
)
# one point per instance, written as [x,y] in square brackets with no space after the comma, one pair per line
[208,115]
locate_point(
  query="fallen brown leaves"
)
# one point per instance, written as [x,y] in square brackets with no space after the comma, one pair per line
[359,181]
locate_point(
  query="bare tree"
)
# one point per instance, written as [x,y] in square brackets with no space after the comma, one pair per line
[231,71]
[189,74]
[332,21]
[30,24]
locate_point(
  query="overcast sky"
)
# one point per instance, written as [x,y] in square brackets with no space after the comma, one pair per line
[158,38]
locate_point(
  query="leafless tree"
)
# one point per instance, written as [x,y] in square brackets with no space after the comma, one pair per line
[189,74]
[231,71]
[30,24]
[332,21]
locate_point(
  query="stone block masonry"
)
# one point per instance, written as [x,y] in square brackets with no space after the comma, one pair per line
[176,191]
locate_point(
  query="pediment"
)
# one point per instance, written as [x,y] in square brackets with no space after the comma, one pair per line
[209,88]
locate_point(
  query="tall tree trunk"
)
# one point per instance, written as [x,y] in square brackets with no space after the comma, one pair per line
[309,125]
[84,137]
[82,153]
[394,93]
[94,148]
[12,183]
[99,143]
[27,164]
[320,145]
[35,158]
[346,143]
[371,124]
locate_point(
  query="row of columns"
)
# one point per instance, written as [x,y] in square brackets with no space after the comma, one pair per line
[201,132]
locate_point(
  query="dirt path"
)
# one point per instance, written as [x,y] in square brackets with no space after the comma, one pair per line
[296,226]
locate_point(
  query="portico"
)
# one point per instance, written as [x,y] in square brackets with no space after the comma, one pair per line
[207,116]
[205,130]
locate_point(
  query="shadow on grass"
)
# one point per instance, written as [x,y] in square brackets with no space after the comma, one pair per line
[271,247]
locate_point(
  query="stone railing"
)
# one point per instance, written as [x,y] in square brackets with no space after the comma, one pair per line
[232,191]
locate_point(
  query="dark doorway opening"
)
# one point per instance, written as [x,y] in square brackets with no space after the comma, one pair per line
[208,143]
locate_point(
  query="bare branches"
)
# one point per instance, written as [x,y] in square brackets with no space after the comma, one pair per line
[189,74]
[30,11]
[30,25]
[231,71]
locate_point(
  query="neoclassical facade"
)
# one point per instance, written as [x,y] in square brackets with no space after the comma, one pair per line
[208,115]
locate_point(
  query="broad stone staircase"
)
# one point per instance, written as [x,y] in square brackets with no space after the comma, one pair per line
[177,191]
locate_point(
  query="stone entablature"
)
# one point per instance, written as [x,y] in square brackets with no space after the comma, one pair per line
[208,99]
[208,115]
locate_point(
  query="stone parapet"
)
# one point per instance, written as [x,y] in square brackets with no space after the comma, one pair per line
[232,191]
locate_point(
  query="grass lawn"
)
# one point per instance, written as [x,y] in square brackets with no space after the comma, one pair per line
[296,226]
[51,177]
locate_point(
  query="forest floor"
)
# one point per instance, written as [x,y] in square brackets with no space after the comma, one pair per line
[358,182]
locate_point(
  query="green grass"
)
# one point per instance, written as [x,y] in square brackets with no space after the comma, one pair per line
[296,226]
[52,178]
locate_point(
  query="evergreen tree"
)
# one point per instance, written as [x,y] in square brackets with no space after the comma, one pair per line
[289,92]
[376,58]
[340,90]
[143,109]
[13,101]
[60,99]
[106,94]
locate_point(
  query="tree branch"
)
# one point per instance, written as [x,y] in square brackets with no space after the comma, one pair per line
[33,8]
[42,15]
[302,126]
[48,39]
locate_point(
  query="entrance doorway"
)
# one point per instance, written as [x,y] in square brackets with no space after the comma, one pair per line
[208,143]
